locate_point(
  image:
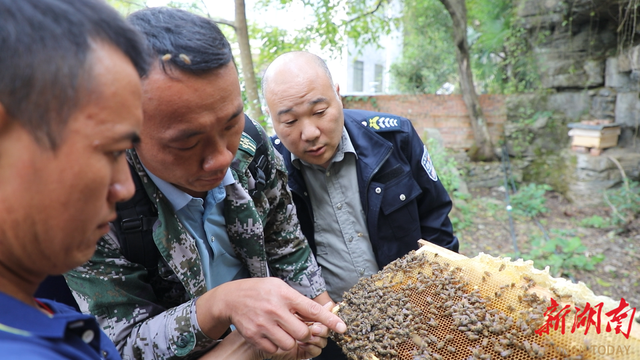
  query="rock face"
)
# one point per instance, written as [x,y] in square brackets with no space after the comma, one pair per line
[587,46]
[589,65]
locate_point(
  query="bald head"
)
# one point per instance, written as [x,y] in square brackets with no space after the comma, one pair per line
[305,106]
[297,63]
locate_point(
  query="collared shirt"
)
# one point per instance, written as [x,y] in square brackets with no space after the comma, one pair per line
[342,240]
[28,333]
[204,220]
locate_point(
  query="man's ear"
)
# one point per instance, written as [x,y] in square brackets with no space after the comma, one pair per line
[338,89]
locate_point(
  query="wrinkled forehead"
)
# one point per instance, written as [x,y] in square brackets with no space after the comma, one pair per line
[299,80]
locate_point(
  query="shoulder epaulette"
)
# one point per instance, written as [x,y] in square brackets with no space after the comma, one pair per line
[247,143]
[382,123]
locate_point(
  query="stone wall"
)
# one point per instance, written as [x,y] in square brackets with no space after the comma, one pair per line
[586,52]
[590,68]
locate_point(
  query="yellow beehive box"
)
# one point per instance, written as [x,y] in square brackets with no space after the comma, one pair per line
[594,136]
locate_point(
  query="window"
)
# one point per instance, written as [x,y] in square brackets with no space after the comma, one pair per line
[358,78]
[378,78]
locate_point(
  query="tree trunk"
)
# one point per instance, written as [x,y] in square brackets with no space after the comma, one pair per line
[483,147]
[250,83]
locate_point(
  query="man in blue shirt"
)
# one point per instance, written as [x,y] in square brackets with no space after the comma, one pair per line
[70,105]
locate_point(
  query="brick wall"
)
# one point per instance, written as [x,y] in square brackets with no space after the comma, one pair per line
[447,113]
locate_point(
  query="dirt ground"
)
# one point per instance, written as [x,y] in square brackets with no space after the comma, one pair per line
[617,276]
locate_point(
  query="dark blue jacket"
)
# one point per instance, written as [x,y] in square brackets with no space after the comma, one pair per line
[401,201]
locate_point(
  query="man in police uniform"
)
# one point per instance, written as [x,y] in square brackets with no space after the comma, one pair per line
[332,154]
[213,231]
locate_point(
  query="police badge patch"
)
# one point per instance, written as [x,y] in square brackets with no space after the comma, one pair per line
[428,165]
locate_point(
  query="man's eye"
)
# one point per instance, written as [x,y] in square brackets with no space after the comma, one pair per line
[320,112]
[117,154]
[231,127]
[290,122]
[186,147]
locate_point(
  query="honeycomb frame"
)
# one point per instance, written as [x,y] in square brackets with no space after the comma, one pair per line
[434,304]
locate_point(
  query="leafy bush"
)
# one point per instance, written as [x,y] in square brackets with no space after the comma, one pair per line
[562,252]
[625,202]
[447,169]
[529,201]
[463,211]
[446,166]
[596,221]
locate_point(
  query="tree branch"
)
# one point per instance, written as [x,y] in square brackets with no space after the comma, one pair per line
[225,22]
[206,9]
[366,14]
[217,20]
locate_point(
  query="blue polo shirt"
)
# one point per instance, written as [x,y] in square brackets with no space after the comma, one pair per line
[204,220]
[26,333]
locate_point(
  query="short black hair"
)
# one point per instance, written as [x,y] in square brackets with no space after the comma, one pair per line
[45,65]
[182,39]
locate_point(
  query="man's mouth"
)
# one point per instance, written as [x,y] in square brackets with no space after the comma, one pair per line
[316,151]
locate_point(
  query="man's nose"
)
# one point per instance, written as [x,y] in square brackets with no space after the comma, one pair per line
[217,159]
[122,188]
[310,131]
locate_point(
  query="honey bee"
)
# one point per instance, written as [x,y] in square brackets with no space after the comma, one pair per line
[506,353]
[185,59]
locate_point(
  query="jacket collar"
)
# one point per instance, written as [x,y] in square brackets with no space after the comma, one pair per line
[370,148]
[171,238]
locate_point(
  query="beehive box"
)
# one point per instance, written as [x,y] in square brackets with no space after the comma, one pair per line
[434,304]
[594,136]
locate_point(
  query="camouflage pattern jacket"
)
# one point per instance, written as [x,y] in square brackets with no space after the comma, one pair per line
[155,318]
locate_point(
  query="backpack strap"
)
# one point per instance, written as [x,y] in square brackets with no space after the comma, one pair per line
[260,166]
[134,227]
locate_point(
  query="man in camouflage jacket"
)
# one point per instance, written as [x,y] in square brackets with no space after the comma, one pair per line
[161,315]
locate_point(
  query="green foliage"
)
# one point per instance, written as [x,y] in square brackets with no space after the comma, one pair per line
[529,201]
[596,221]
[563,253]
[276,41]
[333,22]
[502,60]
[625,202]
[428,59]
[446,165]
[464,208]
[366,99]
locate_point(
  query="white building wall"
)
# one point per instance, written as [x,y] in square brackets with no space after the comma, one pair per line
[389,51]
